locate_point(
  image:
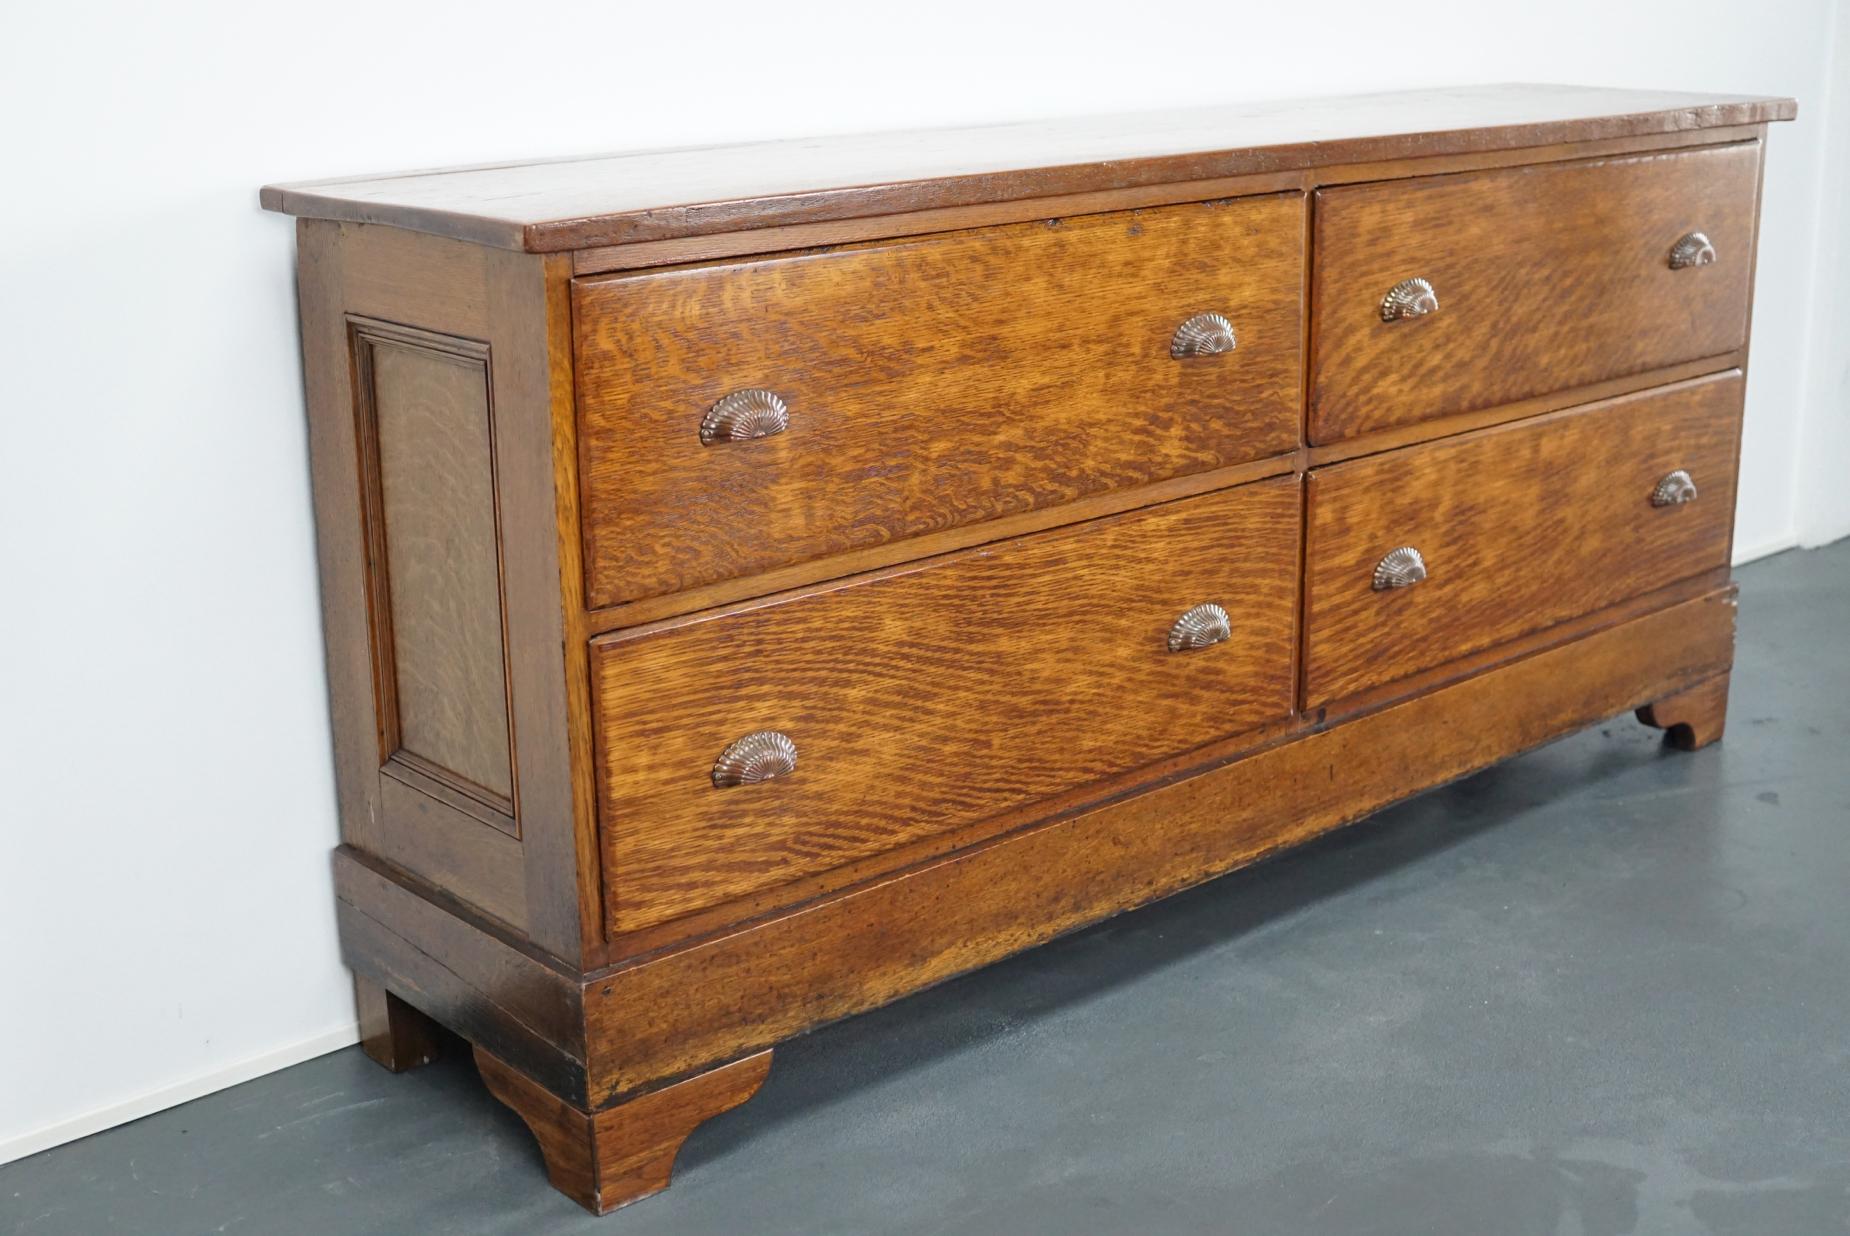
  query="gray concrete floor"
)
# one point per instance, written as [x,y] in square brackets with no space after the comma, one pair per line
[1600,989]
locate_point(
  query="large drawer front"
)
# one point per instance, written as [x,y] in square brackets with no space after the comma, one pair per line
[935,696]
[925,384]
[1544,278]
[1518,527]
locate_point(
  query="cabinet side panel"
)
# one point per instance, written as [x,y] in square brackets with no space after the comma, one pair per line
[426,435]
[421,718]
[440,408]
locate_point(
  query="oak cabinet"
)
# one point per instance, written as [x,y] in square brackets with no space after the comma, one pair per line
[762,582]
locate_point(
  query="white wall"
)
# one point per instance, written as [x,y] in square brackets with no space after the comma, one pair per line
[164,893]
[1823,483]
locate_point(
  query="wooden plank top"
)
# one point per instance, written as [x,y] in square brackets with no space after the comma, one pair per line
[659,195]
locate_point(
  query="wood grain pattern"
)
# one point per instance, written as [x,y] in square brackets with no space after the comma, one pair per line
[656,195]
[529,306]
[385,275]
[1554,401]
[603,1160]
[703,923]
[1521,526]
[427,440]
[931,384]
[672,1012]
[1549,276]
[1361,703]
[1691,719]
[668,1013]
[475,302]
[930,544]
[713,246]
[450,847]
[935,695]
[341,549]
[464,970]
[951,580]
[567,867]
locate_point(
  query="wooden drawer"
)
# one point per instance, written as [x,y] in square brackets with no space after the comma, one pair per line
[935,695]
[927,384]
[1546,277]
[1520,527]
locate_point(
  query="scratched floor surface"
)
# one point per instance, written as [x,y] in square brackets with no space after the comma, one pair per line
[1601,989]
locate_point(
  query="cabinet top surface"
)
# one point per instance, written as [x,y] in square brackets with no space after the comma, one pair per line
[611,199]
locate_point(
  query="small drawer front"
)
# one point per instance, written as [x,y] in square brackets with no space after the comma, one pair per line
[1417,556]
[935,696]
[737,418]
[1449,294]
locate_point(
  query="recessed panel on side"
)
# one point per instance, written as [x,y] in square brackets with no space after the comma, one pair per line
[426,429]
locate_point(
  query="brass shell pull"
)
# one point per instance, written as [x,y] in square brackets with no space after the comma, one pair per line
[1674,490]
[1410,298]
[1205,334]
[1199,627]
[743,415]
[759,756]
[1401,568]
[1692,249]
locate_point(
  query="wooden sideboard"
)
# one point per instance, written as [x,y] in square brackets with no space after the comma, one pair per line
[762,582]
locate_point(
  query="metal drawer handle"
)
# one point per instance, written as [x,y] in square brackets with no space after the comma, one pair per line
[1692,249]
[743,415]
[1402,568]
[1674,490]
[1205,334]
[1199,627]
[758,756]
[1410,298]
